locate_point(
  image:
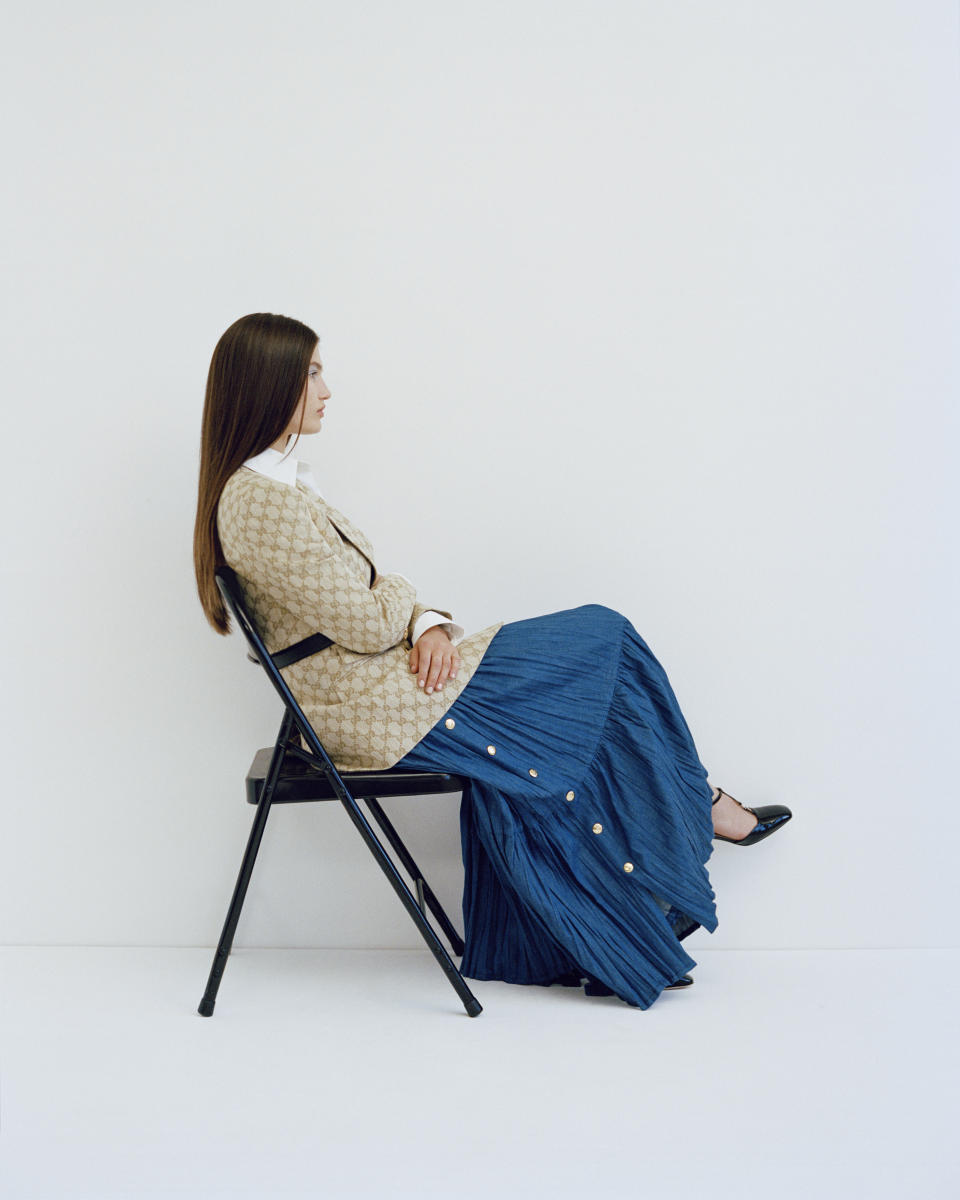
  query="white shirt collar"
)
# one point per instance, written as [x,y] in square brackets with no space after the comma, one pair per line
[284,468]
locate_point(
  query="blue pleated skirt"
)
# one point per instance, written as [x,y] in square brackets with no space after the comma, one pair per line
[587,823]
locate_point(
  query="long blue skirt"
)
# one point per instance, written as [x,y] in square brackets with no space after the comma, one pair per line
[587,823]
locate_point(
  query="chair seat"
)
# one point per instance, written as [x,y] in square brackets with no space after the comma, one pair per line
[300,783]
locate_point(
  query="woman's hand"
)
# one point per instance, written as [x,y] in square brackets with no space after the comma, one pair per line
[435,657]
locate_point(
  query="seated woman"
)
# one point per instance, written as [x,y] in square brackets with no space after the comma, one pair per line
[588,820]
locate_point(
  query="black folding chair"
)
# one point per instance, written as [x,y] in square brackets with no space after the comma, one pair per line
[288,774]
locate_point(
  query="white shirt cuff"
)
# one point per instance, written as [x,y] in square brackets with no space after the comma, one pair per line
[430,618]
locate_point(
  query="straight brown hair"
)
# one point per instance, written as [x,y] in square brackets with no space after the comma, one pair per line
[255,382]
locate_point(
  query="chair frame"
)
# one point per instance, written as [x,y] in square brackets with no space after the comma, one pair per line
[310,776]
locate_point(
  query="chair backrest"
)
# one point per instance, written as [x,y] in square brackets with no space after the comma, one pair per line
[232,594]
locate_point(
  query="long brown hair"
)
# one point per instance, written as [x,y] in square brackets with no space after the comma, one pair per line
[256,379]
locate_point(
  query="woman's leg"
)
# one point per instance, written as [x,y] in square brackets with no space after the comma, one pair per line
[730,819]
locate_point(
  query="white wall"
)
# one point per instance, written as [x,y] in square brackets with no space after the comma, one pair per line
[639,303]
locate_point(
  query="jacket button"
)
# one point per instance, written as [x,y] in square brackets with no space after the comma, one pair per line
[628,867]
[450,722]
[598,828]
[570,795]
[534,772]
[491,749]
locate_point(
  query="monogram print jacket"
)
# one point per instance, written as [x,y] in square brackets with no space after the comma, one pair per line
[304,569]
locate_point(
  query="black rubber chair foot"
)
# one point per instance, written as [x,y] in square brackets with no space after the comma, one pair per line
[206,1007]
[474,1008]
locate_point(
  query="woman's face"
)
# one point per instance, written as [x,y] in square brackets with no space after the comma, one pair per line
[312,403]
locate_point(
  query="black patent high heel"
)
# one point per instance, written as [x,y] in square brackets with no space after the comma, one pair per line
[593,987]
[770,818]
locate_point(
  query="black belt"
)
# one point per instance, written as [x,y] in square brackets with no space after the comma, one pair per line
[310,645]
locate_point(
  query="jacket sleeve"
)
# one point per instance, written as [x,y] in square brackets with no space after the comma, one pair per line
[418,611]
[423,618]
[283,553]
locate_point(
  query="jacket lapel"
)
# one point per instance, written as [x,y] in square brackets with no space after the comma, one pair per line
[346,529]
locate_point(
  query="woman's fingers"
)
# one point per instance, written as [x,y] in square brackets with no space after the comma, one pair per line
[423,665]
[451,660]
[435,669]
[437,660]
[433,675]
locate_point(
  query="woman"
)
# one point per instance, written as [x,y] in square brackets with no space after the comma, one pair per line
[588,821]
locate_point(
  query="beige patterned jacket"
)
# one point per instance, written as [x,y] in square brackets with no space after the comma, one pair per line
[304,569]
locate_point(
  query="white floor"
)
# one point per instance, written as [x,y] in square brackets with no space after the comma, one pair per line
[355,1073]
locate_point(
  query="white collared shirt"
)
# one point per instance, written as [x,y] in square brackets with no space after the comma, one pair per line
[286,469]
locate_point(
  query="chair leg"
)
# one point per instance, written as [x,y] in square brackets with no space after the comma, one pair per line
[449,968]
[246,869]
[447,965]
[424,891]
